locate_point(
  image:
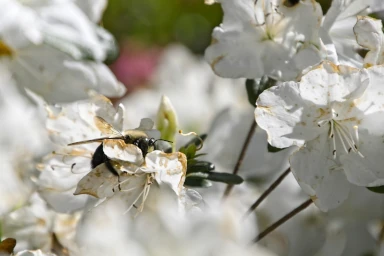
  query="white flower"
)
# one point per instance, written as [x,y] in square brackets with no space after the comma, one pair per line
[369,34]
[265,37]
[34,225]
[33,253]
[225,140]
[128,173]
[133,183]
[162,230]
[337,28]
[22,138]
[63,169]
[48,46]
[335,114]
[92,8]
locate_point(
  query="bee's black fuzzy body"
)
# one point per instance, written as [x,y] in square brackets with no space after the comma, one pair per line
[99,157]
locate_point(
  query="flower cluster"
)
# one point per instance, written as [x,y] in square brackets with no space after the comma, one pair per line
[79,179]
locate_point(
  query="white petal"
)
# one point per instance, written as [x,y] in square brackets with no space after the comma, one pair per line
[19,26]
[92,8]
[117,149]
[242,47]
[70,28]
[369,35]
[58,78]
[286,117]
[329,83]
[319,175]
[75,122]
[367,171]
[60,173]
[168,168]
[372,101]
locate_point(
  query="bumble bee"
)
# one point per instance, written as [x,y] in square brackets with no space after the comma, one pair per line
[130,137]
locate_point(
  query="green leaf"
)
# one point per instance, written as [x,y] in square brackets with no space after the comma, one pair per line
[199,175]
[255,88]
[379,189]
[193,182]
[228,178]
[196,141]
[191,151]
[272,149]
[251,87]
[200,166]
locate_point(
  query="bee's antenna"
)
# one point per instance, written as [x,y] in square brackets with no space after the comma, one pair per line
[193,133]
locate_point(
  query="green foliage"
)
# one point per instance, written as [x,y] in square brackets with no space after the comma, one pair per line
[272,149]
[200,173]
[154,22]
[379,189]
[255,88]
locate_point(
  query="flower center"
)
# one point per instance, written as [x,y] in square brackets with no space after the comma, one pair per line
[348,140]
[5,50]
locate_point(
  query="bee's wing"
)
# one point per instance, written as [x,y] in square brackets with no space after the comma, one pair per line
[105,127]
[91,141]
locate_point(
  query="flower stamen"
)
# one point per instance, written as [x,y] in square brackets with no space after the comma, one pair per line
[346,138]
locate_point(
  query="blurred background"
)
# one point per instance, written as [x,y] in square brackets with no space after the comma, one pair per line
[144,27]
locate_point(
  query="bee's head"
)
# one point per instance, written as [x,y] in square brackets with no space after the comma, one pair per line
[151,142]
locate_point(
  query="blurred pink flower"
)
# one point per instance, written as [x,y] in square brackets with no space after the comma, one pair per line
[135,65]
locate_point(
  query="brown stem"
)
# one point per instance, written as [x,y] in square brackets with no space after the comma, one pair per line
[267,192]
[241,156]
[282,220]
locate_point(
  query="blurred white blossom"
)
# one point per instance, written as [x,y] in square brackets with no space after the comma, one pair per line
[195,92]
[161,230]
[35,226]
[53,49]
[22,139]
[33,253]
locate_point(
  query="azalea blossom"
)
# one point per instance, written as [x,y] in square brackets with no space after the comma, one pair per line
[334,115]
[231,126]
[22,139]
[53,49]
[33,253]
[266,37]
[132,185]
[162,230]
[369,34]
[337,30]
[36,226]
[129,172]
[66,165]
